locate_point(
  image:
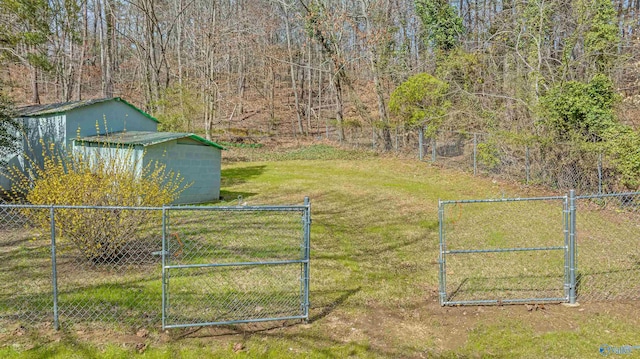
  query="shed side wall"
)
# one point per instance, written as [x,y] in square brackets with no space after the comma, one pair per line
[197,163]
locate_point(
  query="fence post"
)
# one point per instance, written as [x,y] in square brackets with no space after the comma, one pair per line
[420,142]
[600,173]
[396,133]
[373,137]
[572,247]
[566,223]
[433,147]
[475,153]
[527,164]
[441,259]
[307,255]
[54,269]
[164,276]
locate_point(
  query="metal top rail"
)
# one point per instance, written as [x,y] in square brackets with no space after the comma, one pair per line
[41,206]
[496,200]
[281,208]
[239,208]
[621,194]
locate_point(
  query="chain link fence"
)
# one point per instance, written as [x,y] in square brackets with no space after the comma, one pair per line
[608,243]
[583,167]
[503,251]
[104,264]
[545,249]
[152,266]
[25,267]
[559,166]
[243,264]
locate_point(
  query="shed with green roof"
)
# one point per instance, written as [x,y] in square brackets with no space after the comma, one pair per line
[196,159]
[89,123]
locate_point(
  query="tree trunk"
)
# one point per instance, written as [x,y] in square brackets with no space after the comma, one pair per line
[292,71]
[83,51]
[337,84]
[35,91]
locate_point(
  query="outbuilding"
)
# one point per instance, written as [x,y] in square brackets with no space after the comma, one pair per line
[92,122]
[193,157]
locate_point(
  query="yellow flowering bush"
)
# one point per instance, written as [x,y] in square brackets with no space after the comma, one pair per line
[98,178]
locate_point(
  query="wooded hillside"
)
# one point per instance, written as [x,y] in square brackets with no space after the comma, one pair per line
[312,66]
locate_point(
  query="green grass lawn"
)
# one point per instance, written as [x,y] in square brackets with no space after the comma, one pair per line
[374,275]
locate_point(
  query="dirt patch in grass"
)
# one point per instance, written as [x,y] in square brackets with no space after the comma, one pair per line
[423,329]
[426,328]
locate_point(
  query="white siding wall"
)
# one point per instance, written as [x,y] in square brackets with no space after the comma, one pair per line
[130,158]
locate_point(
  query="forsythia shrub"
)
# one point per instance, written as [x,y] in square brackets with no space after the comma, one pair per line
[98,179]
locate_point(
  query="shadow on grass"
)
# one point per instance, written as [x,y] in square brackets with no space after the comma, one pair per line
[69,344]
[507,287]
[14,242]
[226,196]
[131,302]
[233,176]
[334,303]
[313,342]
[608,284]
[368,254]
[330,300]
[601,284]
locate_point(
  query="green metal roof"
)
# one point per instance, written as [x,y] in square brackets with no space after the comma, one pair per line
[62,107]
[144,138]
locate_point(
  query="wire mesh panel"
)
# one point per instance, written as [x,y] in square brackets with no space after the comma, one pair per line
[503,251]
[566,166]
[451,149]
[25,265]
[608,243]
[560,166]
[235,264]
[84,264]
[502,158]
[106,267]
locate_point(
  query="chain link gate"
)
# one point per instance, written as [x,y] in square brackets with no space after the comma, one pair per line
[608,245]
[217,265]
[512,250]
[227,265]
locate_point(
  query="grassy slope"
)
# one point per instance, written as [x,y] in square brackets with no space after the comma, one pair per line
[374,276]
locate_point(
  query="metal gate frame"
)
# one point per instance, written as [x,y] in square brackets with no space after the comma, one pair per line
[569,210]
[304,261]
